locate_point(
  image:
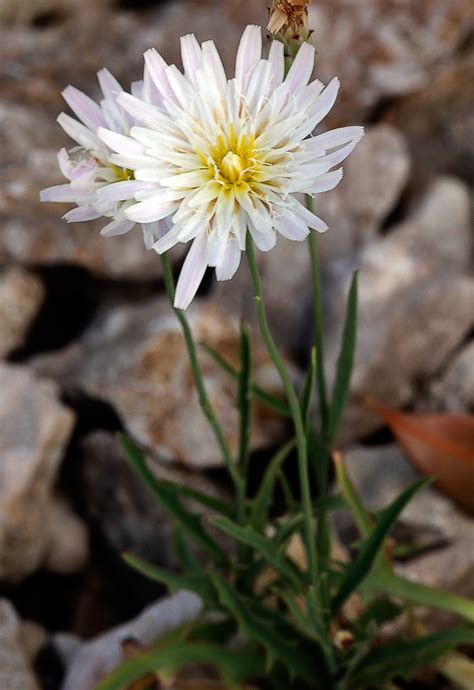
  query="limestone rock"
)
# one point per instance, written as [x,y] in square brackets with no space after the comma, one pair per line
[93,660]
[430,519]
[129,518]
[454,391]
[15,673]
[134,358]
[68,546]
[35,429]
[382,50]
[21,296]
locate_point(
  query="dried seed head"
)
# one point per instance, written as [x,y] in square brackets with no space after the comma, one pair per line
[289,23]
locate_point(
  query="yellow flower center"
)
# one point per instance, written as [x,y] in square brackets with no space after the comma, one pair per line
[232,166]
[232,160]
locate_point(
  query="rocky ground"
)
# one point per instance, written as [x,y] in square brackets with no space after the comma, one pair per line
[88,345]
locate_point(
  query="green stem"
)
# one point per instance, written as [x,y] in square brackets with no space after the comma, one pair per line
[323,454]
[318,325]
[294,407]
[204,401]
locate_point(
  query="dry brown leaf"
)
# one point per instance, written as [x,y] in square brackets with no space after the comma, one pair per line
[439,445]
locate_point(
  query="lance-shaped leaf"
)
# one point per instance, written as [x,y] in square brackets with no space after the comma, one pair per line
[175,582]
[370,548]
[235,666]
[262,501]
[244,399]
[344,365]
[168,496]
[263,546]
[402,658]
[309,384]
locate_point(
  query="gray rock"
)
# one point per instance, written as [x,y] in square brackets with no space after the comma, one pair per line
[15,672]
[93,660]
[386,50]
[454,391]
[416,304]
[134,357]
[374,177]
[129,516]
[430,519]
[21,296]
[35,430]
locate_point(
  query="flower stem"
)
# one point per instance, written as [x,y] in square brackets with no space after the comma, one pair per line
[318,324]
[204,401]
[294,407]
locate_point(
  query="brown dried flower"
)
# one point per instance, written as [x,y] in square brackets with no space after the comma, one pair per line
[288,15]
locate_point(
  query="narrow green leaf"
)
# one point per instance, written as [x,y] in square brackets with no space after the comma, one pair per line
[244,399]
[402,658]
[356,571]
[235,666]
[249,537]
[187,560]
[262,501]
[189,522]
[278,649]
[174,582]
[383,579]
[308,388]
[210,502]
[361,516]
[344,365]
[267,399]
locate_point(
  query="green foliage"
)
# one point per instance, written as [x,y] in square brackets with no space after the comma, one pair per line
[345,364]
[277,596]
[370,548]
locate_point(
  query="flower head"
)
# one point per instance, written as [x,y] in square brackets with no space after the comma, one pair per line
[220,157]
[88,167]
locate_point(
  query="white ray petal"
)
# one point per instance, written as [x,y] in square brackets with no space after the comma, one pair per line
[191,55]
[292,227]
[120,143]
[308,217]
[229,261]
[301,69]
[122,191]
[117,227]
[79,132]
[248,54]
[81,214]
[151,210]
[276,57]
[213,66]
[191,274]
[84,107]
[326,182]
[62,193]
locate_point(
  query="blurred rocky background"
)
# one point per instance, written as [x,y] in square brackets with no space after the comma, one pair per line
[89,346]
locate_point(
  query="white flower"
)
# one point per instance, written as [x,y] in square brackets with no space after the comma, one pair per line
[88,166]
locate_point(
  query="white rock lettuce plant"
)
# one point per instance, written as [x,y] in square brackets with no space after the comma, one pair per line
[224,164]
